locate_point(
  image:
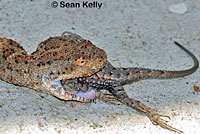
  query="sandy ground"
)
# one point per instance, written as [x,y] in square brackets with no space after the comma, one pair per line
[133,33]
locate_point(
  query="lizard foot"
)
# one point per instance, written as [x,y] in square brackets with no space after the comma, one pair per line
[156,120]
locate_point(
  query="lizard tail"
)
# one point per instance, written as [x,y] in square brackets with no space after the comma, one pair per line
[133,74]
[172,74]
[190,70]
[144,73]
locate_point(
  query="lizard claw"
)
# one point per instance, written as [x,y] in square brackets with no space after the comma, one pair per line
[156,120]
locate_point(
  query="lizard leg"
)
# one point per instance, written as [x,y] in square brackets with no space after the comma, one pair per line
[106,97]
[72,36]
[155,118]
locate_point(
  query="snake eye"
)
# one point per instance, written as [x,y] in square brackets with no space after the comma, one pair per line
[81,61]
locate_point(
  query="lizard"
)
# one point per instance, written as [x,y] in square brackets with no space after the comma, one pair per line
[72,68]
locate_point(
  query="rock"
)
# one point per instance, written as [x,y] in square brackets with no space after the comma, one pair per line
[180,8]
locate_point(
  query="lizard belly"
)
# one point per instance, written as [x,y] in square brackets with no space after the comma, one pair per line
[87,95]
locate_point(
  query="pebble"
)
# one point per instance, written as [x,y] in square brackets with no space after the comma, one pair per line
[180,8]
